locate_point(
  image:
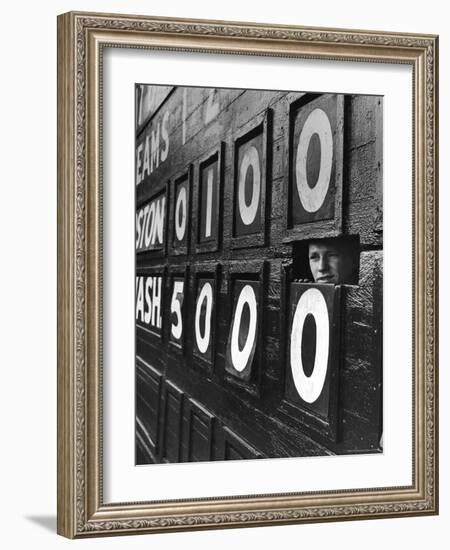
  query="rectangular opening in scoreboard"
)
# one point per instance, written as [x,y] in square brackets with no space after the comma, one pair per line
[313,197]
[251,171]
[205,286]
[177,303]
[244,342]
[209,201]
[313,355]
[180,218]
[151,225]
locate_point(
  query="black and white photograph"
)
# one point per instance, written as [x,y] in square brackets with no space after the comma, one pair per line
[221,296]
[259,274]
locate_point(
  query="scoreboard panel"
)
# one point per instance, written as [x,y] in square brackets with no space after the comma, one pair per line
[180,218]
[209,201]
[240,354]
[316,164]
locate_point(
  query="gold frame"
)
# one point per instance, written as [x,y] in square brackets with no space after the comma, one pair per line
[81,37]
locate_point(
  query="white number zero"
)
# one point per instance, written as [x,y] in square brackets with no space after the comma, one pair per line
[318,123]
[206,294]
[239,357]
[310,387]
[248,211]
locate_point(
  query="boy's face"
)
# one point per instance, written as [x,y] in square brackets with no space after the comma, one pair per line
[329,263]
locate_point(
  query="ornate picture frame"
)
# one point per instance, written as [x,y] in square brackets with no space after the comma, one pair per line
[82,510]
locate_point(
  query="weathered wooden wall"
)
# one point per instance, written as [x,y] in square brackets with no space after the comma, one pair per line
[193,409]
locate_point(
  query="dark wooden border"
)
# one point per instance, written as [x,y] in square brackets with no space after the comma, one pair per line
[207,270]
[256,271]
[181,175]
[324,431]
[146,271]
[212,246]
[145,254]
[261,124]
[179,272]
[322,228]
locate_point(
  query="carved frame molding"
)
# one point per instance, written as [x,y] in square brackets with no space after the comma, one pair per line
[81,37]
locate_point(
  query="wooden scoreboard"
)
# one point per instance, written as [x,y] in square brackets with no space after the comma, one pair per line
[237,355]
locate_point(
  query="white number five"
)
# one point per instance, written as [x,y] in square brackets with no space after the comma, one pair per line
[175,307]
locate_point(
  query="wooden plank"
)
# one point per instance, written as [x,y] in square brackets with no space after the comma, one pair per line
[173,410]
[148,398]
[361,374]
[237,448]
[364,200]
[200,425]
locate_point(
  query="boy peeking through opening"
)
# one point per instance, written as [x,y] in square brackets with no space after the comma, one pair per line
[331,261]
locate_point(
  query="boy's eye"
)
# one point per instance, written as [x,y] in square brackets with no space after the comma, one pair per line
[314,257]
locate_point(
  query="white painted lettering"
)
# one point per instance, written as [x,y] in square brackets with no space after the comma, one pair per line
[138,164]
[150,224]
[140,298]
[165,136]
[153,150]
[149,212]
[159,220]
[312,198]
[148,299]
[240,357]
[139,216]
[146,164]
